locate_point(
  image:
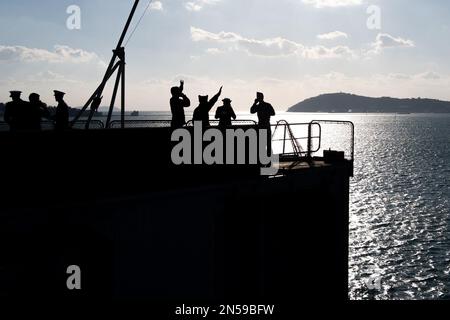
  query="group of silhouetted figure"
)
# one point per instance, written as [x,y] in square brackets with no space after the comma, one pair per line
[23,115]
[225,113]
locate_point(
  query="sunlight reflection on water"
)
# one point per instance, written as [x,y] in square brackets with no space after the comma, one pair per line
[399,206]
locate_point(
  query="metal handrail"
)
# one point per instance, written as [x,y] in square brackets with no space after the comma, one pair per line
[234,122]
[343,122]
[140,124]
[288,131]
[294,140]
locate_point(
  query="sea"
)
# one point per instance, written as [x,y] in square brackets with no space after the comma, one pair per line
[399,201]
[399,205]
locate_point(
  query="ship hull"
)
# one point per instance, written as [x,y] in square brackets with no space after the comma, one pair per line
[166,233]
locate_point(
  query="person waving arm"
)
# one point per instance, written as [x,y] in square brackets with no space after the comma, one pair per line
[214,99]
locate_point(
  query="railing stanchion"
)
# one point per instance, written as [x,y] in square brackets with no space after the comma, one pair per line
[309,140]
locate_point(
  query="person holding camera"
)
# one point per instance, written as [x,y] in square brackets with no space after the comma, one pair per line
[178,103]
[264,111]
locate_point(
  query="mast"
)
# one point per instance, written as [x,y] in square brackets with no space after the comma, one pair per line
[117,63]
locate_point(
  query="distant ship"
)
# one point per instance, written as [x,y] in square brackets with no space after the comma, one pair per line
[135,114]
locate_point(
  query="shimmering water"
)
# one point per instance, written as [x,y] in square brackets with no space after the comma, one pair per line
[399,207]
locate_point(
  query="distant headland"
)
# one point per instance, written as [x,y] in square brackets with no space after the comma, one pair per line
[345,102]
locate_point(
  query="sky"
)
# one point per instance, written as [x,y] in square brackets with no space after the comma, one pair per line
[288,49]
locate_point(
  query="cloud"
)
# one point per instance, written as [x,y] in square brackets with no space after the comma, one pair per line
[332,35]
[425,76]
[430,75]
[60,54]
[214,51]
[157,6]
[332,3]
[284,92]
[399,76]
[51,77]
[197,5]
[385,40]
[271,47]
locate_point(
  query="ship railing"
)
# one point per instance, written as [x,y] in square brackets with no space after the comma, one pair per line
[288,139]
[140,124]
[215,123]
[308,140]
[336,136]
[50,125]
[292,139]
[167,123]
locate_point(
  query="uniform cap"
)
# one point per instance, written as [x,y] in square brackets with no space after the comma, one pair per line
[59,93]
[15,93]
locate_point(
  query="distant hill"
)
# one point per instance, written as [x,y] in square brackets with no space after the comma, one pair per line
[344,102]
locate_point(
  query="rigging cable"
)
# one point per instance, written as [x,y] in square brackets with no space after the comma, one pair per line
[138,23]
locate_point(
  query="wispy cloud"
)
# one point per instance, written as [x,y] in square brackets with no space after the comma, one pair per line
[156,6]
[271,47]
[332,35]
[197,5]
[59,54]
[332,3]
[384,41]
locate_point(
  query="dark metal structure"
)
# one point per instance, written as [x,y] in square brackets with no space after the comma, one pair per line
[117,63]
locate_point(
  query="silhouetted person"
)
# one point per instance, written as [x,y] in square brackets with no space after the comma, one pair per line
[96,102]
[265,111]
[62,112]
[205,106]
[17,112]
[38,111]
[225,113]
[178,102]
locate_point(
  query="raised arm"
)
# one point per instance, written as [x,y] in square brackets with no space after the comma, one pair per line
[254,108]
[214,99]
[181,85]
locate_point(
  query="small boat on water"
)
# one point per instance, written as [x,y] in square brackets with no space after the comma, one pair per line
[135,114]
